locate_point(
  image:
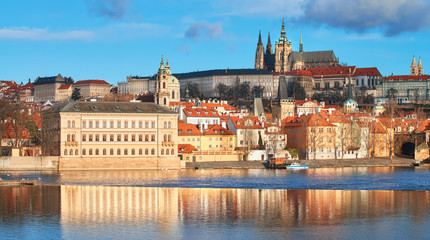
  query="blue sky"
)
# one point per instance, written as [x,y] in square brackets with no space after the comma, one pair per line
[112,39]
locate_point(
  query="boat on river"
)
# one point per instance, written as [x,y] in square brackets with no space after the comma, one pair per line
[296,165]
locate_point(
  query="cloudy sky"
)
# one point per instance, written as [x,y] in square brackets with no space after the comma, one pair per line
[112,39]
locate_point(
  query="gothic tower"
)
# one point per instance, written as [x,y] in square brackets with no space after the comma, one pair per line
[269,50]
[282,51]
[259,54]
[414,68]
[420,68]
[162,96]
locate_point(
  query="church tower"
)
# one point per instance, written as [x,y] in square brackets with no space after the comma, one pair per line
[420,68]
[414,68]
[162,96]
[269,50]
[282,51]
[259,54]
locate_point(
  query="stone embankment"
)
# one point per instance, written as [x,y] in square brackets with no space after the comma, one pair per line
[377,162]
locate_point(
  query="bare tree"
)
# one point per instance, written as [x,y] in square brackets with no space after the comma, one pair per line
[391,107]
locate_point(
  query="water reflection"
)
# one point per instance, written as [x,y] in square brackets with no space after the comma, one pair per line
[140,212]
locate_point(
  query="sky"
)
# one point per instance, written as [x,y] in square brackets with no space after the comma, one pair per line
[113,39]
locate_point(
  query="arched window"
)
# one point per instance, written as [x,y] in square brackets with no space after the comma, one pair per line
[65,151]
[167,151]
[146,151]
[73,137]
[169,138]
[68,137]
[165,124]
[162,151]
[153,151]
[118,151]
[169,125]
[140,151]
[133,152]
[164,85]
[165,101]
[165,137]
[90,151]
[76,152]
[68,124]
[104,151]
[111,151]
[97,151]
[84,151]
[71,152]
[172,152]
[126,151]
[173,94]
[73,124]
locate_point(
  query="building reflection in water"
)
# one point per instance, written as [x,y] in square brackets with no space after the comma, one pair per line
[168,211]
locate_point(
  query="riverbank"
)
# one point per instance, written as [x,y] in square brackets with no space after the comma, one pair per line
[377,162]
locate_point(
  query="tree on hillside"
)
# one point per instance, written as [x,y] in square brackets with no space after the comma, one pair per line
[194,90]
[296,91]
[244,90]
[222,90]
[76,94]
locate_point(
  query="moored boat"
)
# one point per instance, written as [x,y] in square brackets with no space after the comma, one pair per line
[296,165]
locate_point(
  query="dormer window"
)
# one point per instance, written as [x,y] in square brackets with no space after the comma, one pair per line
[189,131]
[216,131]
[180,130]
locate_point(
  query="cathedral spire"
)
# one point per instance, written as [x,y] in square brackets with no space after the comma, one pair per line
[283,38]
[269,46]
[259,39]
[414,63]
[414,67]
[301,44]
[419,62]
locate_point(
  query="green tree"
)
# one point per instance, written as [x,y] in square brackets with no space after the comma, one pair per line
[260,142]
[244,90]
[392,93]
[194,90]
[76,94]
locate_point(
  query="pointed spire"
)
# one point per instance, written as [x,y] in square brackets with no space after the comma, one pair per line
[419,62]
[283,38]
[301,44]
[269,46]
[259,38]
[167,61]
[414,63]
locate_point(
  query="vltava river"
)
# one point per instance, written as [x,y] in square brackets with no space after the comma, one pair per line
[265,204]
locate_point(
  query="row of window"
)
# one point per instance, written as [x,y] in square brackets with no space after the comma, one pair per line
[133,151]
[198,139]
[117,123]
[119,137]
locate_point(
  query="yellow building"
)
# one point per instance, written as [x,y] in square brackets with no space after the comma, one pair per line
[92,88]
[213,143]
[111,135]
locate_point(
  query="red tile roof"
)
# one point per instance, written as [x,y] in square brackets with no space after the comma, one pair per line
[64,86]
[217,130]
[308,120]
[91,82]
[241,123]
[372,71]
[201,112]
[187,129]
[327,72]
[407,77]
[297,73]
[186,148]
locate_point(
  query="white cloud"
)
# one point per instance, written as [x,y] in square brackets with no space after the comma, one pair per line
[196,31]
[27,33]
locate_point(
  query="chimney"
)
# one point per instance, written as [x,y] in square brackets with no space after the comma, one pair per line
[201,127]
[224,125]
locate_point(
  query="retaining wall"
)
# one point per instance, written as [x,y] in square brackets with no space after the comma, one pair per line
[34,163]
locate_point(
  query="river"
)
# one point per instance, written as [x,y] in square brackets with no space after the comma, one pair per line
[325,203]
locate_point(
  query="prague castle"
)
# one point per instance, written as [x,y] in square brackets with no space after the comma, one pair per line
[285,60]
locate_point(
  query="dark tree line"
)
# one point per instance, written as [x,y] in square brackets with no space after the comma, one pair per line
[242,90]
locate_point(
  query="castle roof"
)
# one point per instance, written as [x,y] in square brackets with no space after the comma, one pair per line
[64,86]
[221,72]
[53,79]
[407,78]
[372,71]
[326,72]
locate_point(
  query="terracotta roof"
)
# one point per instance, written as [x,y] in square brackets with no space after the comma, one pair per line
[186,148]
[217,130]
[335,117]
[91,82]
[423,126]
[187,129]
[246,122]
[201,112]
[378,128]
[64,86]
[301,102]
[296,73]
[406,78]
[309,120]
[372,71]
[327,72]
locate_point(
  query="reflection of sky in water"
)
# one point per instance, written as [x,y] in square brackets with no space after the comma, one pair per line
[353,178]
[100,212]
